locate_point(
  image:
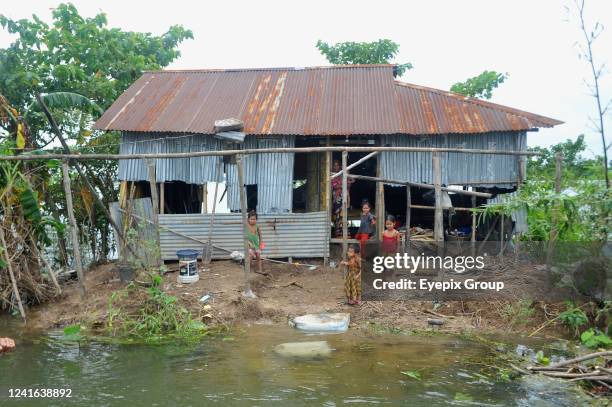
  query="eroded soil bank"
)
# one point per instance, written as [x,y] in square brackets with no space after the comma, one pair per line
[285,291]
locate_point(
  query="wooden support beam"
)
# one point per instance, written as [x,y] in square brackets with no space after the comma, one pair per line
[155,202]
[408,215]
[243,208]
[420,185]
[204,206]
[74,231]
[473,238]
[380,204]
[162,197]
[353,165]
[344,206]
[438,214]
[327,196]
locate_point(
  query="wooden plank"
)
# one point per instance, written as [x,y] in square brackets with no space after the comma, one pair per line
[74,231]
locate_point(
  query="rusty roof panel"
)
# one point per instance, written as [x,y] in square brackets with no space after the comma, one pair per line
[339,100]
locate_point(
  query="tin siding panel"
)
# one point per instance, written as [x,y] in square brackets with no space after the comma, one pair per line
[295,234]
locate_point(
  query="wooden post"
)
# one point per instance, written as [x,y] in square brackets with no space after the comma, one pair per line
[74,231]
[9,266]
[408,213]
[554,230]
[155,201]
[243,208]
[162,197]
[473,238]
[438,214]
[46,264]
[380,203]
[327,198]
[501,235]
[344,206]
[204,208]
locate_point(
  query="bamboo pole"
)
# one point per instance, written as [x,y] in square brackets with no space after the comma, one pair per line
[82,157]
[76,250]
[437,179]
[353,165]
[408,214]
[9,266]
[248,293]
[345,207]
[419,185]
[155,201]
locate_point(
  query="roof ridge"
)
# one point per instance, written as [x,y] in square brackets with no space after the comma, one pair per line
[480,102]
[289,68]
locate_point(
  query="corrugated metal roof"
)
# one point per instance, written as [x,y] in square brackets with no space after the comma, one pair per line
[337,100]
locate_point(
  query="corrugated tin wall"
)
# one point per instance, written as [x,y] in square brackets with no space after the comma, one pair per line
[519,216]
[273,174]
[457,168]
[195,170]
[294,234]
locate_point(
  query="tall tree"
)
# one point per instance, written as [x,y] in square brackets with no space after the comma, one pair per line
[366,53]
[81,66]
[590,35]
[77,54]
[480,86]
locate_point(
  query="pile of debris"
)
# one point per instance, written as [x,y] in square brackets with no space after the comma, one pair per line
[599,374]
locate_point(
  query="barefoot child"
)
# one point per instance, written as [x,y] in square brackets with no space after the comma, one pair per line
[366,225]
[352,280]
[390,240]
[256,244]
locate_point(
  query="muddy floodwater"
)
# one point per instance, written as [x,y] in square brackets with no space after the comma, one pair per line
[242,369]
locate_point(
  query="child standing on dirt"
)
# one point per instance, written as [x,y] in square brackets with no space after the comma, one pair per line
[256,244]
[352,280]
[366,225]
[390,240]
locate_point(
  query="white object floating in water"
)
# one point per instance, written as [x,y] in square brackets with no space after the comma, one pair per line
[306,350]
[337,322]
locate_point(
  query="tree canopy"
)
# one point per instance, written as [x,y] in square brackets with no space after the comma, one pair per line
[480,86]
[355,53]
[78,54]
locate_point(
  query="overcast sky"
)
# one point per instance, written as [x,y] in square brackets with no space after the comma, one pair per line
[447,41]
